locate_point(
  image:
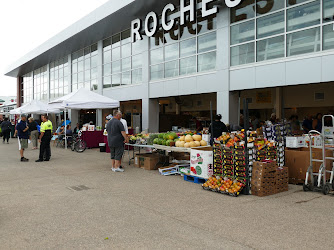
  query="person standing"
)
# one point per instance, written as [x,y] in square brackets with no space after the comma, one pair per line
[6,128]
[317,123]
[33,132]
[44,139]
[125,125]
[218,127]
[22,132]
[116,139]
[307,124]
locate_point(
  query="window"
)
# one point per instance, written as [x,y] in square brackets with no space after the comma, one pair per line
[184,50]
[122,60]
[84,68]
[59,77]
[280,29]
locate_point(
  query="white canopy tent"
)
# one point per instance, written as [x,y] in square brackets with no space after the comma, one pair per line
[83,99]
[35,107]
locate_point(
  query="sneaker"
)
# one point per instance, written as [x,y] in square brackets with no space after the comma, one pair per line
[120,167]
[117,170]
[24,160]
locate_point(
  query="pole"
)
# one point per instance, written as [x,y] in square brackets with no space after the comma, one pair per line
[65,128]
[211,117]
[246,128]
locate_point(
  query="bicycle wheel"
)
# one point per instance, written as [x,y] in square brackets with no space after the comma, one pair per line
[80,146]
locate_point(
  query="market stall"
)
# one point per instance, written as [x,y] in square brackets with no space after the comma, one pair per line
[84,99]
[92,138]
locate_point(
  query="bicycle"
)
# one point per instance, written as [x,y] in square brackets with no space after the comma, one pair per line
[78,144]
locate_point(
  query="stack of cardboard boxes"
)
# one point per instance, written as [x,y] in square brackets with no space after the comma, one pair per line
[263,178]
[268,179]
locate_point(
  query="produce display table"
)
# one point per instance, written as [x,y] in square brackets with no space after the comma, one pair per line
[92,138]
[172,149]
[135,146]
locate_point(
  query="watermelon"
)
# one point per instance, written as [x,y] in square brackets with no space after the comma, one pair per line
[156,141]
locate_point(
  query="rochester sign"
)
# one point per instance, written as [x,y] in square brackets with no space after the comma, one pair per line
[151,23]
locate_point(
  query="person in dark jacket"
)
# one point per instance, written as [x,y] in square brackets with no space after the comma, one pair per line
[5,128]
[218,127]
[33,132]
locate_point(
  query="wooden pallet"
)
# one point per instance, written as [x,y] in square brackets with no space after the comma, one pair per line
[194,179]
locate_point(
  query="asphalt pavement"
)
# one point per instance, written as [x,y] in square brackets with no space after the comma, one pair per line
[76,202]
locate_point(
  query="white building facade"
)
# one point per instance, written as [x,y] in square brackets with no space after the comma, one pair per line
[279,54]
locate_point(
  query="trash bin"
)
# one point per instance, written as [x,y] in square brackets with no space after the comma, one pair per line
[102,147]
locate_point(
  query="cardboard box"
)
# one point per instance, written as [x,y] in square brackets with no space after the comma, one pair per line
[295,142]
[137,161]
[265,166]
[298,160]
[150,161]
[201,162]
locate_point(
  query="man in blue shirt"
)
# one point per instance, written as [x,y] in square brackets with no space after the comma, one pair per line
[23,135]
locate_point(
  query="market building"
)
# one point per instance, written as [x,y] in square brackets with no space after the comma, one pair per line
[166,61]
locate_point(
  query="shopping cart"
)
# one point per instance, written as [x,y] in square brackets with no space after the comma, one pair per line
[318,181]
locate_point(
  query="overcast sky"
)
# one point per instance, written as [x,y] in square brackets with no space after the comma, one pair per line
[24,25]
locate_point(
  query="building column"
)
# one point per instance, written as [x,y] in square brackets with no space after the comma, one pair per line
[19,90]
[150,115]
[99,118]
[227,106]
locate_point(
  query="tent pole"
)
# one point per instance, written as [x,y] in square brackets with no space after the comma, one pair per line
[65,128]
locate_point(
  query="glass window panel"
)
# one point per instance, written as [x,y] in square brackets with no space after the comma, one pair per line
[328,7]
[137,61]
[61,73]
[157,72]
[207,61]
[270,48]
[242,32]
[157,40]
[61,82]
[107,82]
[171,52]
[270,25]
[188,30]
[243,11]
[75,78]
[116,67]
[93,62]
[157,56]
[65,70]
[205,24]
[328,33]
[107,56]
[116,80]
[80,66]
[80,55]
[107,69]
[107,44]
[293,2]
[61,91]
[126,64]
[115,40]
[126,78]
[87,75]
[136,76]
[242,54]
[80,77]
[93,73]
[172,69]
[207,42]
[188,65]
[303,16]
[126,50]
[74,58]
[93,49]
[74,68]
[116,54]
[65,82]
[126,36]
[94,84]
[302,42]
[188,47]
[267,6]
[87,63]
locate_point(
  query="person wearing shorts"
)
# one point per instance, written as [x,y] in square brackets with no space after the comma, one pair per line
[23,136]
[116,139]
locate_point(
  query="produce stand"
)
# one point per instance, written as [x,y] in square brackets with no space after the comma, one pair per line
[92,138]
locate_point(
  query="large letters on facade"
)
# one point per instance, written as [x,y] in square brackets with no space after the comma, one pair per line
[151,20]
